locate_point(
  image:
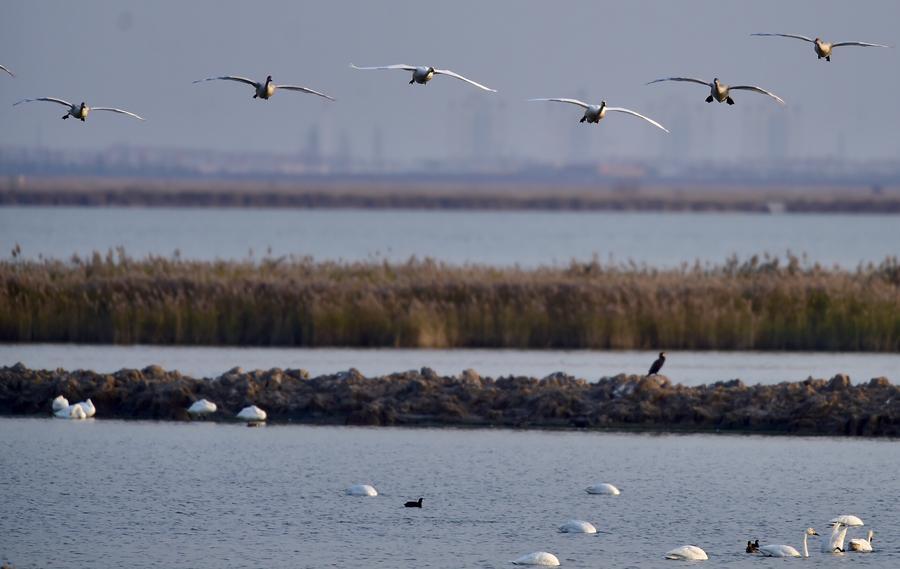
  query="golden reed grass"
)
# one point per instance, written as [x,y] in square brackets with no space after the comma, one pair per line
[756,304]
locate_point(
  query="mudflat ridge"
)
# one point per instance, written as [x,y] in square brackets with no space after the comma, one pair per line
[624,402]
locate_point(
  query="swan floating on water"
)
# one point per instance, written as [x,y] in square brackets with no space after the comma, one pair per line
[266,89]
[687,553]
[823,48]
[362,490]
[78,111]
[596,113]
[577,526]
[862,545]
[720,91]
[202,407]
[252,413]
[88,407]
[71,412]
[835,543]
[11,74]
[603,488]
[423,75]
[537,558]
[60,403]
[787,550]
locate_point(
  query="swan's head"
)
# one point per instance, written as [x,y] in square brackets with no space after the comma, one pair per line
[269,79]
[811,531]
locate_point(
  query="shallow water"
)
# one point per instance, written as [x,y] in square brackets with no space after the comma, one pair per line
[115,494]
[496,238]
[688,368]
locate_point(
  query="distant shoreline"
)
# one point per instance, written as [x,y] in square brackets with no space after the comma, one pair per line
[425,399]
[435,195]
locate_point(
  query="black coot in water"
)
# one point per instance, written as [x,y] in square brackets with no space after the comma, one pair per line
[417,504]
[657,365]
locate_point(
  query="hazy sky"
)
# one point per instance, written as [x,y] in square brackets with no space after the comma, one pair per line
[143,55]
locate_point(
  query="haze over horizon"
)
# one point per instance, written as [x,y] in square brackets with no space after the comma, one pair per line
[143,57]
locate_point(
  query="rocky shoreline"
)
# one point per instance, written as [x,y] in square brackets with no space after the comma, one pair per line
[558,401]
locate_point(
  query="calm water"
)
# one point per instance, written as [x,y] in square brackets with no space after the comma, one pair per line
[136,494]
[500,238]
[689,368]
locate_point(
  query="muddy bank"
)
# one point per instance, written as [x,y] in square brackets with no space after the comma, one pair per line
[814,406]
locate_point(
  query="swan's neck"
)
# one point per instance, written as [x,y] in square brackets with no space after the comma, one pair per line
[805,549]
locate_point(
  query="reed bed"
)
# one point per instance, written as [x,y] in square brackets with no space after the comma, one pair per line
[754,304]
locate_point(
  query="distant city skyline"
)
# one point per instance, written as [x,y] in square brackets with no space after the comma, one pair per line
[144,56]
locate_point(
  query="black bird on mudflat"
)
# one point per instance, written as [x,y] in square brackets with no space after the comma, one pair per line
[657,365]
[417,504]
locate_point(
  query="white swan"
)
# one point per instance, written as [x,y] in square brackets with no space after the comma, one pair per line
[202,407]
[362,490]
[603,488]
[423,75]
[835,543]
[60,403]
[78,111]
[88,407]
[11,74]
[848,520]
[266,89]
[787,550]
[577,526]
[595,113]
[537,558]
[720,91]
[252,413]
[862,545]
[823,48]
[71,412]
[687,553]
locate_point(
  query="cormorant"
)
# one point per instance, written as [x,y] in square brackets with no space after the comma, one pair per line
[417,504]
[657,365]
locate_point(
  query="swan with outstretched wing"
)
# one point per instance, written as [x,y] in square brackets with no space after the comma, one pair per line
[423,75]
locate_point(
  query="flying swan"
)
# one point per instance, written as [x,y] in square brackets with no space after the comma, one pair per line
[787,550]
[720,91]
[687,553]
[11,74]
[423,75]
[537,558]
[266,89]
[595,113]
[823,48]
[78,111]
